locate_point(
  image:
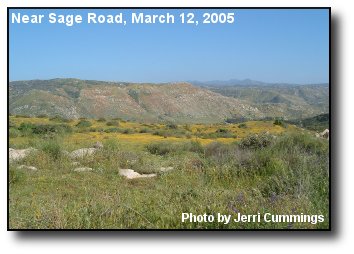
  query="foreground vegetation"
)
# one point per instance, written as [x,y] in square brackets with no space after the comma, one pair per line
[248,168]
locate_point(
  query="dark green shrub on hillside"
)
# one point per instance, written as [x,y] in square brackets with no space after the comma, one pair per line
[172,126]
[112,123]
[83,124]
[219,133]
[101,119]
[51,128]
[280,122]
[236,120]
[60,119]
[256,141]
[166,147]
[109,130]
[160,148]
[242,126]
[26,127]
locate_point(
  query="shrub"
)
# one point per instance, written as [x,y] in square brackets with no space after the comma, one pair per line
[59,119]
[112,123]
[83,124]
[242,126]
[172,126]
[26,127]
[280,122]
[51,128]
[236,120]
[112,130]
[16,176]
[13,133]
[111,145]
[162,148]
[101,119]
[52,148]
[256,141]
[215,149]
[127,131]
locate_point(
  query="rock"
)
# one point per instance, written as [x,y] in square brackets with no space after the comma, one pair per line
[98,145]
[66,153]
[75,163]
[19,154]
[131,174]
[166,169]
[147,175]
[325,134]
[80,153]
[27,167]
[83,169]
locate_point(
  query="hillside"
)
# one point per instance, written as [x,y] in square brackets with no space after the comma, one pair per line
[72,98]
[280,100]
[171,102]
[316,123]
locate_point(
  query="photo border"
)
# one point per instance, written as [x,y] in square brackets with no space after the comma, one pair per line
[174,8]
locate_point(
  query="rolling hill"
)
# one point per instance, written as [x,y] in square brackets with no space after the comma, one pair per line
[73,98]
[280,100]
[174,102]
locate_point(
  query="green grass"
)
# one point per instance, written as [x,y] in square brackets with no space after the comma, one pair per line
[287,175]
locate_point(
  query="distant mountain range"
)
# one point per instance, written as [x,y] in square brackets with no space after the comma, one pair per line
[175,102]
[244,82]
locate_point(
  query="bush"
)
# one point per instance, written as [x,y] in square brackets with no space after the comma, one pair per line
[256,141]
[215,149]
[166,147]
[101,119]
[83,124]
[60,119]
[160,148]
[16,176]
[26,127]
[128,131]
[112,123]
[280,122]
[111,145]
[144,130]
[51,128]
[219,133]
[13,133]
[52,148]
[242,126]
[112,130]
[172,126]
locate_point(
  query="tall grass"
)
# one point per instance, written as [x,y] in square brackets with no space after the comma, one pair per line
[287,175]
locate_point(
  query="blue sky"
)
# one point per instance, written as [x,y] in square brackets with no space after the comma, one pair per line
[266,45]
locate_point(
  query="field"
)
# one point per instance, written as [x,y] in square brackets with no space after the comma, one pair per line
[250,167]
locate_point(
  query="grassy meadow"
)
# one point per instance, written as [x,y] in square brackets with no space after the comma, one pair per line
[250,167]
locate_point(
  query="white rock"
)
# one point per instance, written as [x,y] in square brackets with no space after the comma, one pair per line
[83,169]
[147,175]
[131,174]
[166,169]
[82,152]
[19,154]
[98,145]
[27,167]
[325,134]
